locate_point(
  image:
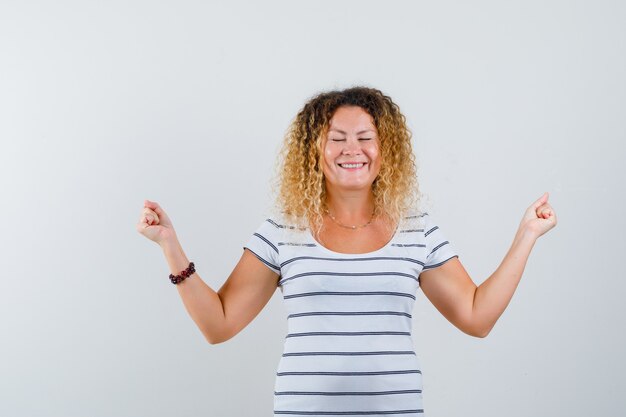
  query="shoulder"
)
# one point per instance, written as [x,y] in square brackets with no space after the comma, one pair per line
[280,222]
[276,227]
[414,219]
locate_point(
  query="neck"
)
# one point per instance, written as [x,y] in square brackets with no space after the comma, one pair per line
[350,206]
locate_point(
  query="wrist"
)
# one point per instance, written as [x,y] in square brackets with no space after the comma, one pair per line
[169,243]
[526,234]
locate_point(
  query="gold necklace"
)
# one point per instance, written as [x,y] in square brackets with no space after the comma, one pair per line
[349,227]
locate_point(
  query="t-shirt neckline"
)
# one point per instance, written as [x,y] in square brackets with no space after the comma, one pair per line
[324,248]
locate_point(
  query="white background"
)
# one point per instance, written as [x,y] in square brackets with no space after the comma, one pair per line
[105,104]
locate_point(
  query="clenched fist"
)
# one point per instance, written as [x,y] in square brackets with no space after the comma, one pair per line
[539,217]
[155,224]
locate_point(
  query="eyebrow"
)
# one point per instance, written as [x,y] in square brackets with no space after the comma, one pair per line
[358,133]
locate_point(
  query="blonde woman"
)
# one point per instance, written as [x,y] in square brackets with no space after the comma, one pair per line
[348,247]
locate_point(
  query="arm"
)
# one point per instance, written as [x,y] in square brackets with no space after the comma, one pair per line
[221,315]
[493,296]
[475,310]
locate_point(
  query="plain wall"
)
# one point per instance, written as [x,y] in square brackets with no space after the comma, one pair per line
[105,104]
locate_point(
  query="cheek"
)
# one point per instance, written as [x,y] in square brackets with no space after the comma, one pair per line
[330,154]
[374,155]
[376,167]
[328,160]
[377,161]
[327,163]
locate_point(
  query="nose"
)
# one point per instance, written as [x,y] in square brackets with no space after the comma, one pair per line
[353,146]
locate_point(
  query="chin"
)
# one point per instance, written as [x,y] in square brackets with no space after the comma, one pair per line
[353,186]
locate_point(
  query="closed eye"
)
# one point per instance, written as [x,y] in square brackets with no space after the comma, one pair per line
[342,140]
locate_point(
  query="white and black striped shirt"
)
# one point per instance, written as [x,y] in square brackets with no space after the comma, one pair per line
[349,349]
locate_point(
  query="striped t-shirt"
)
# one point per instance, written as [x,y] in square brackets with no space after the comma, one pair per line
[349,351]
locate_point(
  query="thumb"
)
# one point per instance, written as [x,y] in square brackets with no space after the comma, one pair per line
[153,206]
[541,201]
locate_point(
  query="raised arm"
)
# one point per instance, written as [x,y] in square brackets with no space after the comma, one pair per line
[221,315]
[475,310]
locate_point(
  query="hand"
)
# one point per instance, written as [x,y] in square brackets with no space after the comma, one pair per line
[539,217]
[155,224]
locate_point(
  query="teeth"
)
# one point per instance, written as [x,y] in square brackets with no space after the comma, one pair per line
[351,165]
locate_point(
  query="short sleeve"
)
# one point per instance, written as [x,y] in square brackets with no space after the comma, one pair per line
[264,244]
[438,249]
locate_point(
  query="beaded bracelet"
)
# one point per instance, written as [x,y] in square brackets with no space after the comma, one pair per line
[186,273]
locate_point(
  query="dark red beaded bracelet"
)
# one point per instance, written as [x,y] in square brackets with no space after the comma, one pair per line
[186,273]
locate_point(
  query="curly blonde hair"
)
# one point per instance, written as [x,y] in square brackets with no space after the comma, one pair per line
[301,194]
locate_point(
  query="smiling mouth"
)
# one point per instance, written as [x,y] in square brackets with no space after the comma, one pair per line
[352,167]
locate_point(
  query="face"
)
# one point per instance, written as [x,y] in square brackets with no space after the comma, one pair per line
[352,138]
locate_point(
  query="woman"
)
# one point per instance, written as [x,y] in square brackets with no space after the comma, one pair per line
[348,249]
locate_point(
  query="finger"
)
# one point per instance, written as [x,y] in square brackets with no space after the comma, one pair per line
[145,212]
[155,216]
[542,200]
[546,213]
[153,205]
[146,216]
[544,207]
[159,213]
[143,223]
[151,217]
